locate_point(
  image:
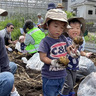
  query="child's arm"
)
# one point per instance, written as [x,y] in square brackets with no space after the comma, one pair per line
[88,54]
[44,58]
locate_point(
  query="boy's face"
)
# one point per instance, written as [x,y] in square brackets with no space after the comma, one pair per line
[75,30]
[56,28]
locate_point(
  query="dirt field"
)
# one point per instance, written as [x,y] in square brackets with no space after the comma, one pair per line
[28,82]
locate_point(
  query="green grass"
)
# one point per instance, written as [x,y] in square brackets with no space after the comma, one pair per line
[90,38]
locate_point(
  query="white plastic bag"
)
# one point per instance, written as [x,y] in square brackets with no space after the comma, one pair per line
[24,59]
[86,66]
[34,62]
[21,31]
[88,86]
[17,46]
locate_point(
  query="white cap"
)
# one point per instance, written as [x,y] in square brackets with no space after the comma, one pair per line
[39,14]
[3,12]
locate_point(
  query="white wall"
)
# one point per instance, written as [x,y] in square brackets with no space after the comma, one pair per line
[71,3]
[93,16]
[82,10]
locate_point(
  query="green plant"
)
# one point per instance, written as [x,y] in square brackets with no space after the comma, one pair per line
[18,23]
[90,23]
[90,38]
[69,14]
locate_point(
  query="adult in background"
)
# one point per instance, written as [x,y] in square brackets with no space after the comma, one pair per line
[6,77]
[40,22]
[51,6]
[6,34]
[40,19]
[33,37]
[60,6]
[6,69]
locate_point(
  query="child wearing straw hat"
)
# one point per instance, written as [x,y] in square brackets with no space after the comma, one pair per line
[53,46]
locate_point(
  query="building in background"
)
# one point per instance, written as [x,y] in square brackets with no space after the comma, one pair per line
[65,4]
[83,8]
[29,7]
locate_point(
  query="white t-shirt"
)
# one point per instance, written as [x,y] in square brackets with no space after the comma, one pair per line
[40,21]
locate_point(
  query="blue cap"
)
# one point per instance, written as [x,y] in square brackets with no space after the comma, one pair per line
[51,6]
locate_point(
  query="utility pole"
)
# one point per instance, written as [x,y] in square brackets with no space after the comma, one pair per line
[27,9]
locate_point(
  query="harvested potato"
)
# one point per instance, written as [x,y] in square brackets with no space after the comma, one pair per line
[63,60]
[78,40]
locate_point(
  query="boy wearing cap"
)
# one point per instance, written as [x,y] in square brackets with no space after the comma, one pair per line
[77,29]
[51,48]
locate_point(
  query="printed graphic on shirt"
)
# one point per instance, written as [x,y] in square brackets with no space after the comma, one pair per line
[57,50]
[53,68]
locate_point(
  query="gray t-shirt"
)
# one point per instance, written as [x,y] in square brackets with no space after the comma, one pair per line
[4,33]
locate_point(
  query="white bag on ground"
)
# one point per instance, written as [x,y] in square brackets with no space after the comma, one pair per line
[88,86]
[17,46]
[34,62]
[86,66]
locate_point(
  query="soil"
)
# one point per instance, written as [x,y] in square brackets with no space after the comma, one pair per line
[27,81]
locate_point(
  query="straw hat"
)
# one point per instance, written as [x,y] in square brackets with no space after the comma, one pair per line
[55,14]
[60,5]
[82,21]
[3,12]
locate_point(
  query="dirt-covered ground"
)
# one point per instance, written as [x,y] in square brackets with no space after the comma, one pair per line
[27,81]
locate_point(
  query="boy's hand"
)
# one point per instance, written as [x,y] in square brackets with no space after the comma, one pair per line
[61,62]
[73,51]
[76,54]
[54,62]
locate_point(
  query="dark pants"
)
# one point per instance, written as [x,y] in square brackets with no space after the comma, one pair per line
[69,82]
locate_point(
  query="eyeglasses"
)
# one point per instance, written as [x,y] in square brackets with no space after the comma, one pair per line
[12,27]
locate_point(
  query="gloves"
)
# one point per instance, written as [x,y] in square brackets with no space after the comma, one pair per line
[15,93]
[54,62]
[75,55]
[10,49]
